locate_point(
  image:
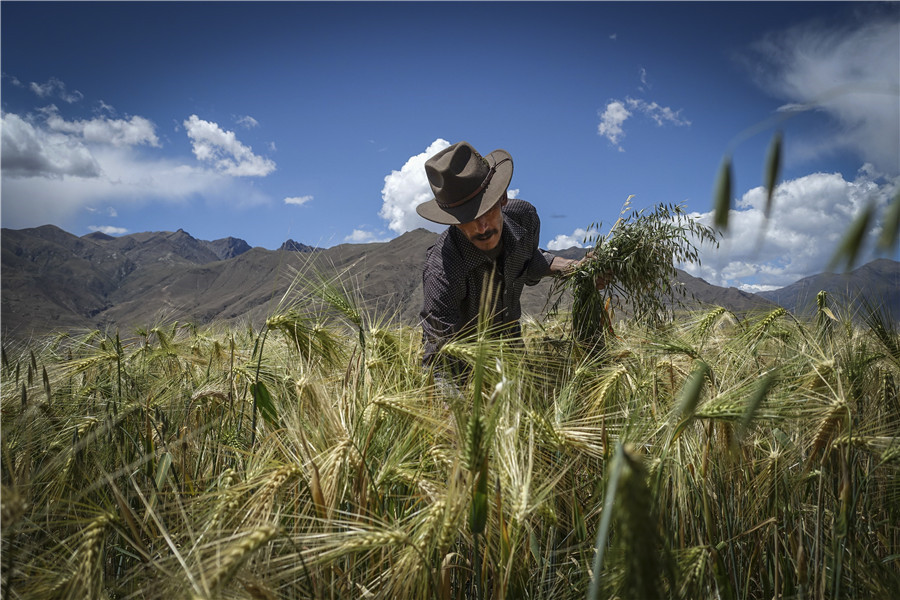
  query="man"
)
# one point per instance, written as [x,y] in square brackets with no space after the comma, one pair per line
[489,251]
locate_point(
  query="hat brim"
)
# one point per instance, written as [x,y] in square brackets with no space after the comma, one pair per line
[480,204]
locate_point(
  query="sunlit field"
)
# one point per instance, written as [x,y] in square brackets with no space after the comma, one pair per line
[710,456]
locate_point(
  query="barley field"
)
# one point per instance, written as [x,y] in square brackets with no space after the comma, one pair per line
[713,456]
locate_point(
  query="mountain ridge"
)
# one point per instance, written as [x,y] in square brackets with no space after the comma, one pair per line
[54,280]
[880,279]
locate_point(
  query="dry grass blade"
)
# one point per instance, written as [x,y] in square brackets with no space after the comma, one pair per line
[239,551]
[371,478]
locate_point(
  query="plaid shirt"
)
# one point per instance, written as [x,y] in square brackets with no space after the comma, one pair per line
[456,271]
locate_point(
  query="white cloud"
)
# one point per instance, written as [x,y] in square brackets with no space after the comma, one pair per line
[360,236]
[109,211]
[108,229]
[12,79]
[619,111]
[29,151]
[55,87]
[117,132]
[852,72]
[248,122]
[512,193]
[661,115]
[121,178]
[809,218]
[49,189]
[55,170]
[405,189]
[104,107]
[755,289]
[644,83]
[562,241]
[298,200]
[611,122]
[212,144]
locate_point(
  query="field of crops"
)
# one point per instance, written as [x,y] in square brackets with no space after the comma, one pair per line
[715,456]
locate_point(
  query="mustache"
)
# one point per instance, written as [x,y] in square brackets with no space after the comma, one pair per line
[483,237]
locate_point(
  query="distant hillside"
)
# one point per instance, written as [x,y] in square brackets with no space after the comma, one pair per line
[228,247]
[877,283]
[54,280]
[292,246]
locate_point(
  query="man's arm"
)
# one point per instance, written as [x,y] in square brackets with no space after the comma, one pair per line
[562,266]
[441,316]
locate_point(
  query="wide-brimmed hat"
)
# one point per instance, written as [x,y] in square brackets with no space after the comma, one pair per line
[465,184]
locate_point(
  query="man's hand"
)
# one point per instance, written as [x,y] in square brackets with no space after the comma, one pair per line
[565,267]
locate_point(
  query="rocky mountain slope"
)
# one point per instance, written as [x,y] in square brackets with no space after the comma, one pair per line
[877,282]
[54,280]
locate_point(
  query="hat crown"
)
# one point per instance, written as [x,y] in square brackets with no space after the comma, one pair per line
[465,184]
[456,173]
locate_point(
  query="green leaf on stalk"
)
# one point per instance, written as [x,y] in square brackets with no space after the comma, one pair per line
[722,198]
[264,402]
[690,396]
[162,469]
[848,250]
[759,394]
[773,169]
[890,228]
[603,530]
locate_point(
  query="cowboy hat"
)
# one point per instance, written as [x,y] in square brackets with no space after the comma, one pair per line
[465,184]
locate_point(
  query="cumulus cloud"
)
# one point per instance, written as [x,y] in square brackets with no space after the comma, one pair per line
[361,236]
[298,200]
[58,174]
[618,111]
[248,122]
[32,151]
[57,147]
[121,178]
[108,229]
[211,144]
[611,120]
[56,169]
[851,72]
[55,87]
[810,216]
[118,132]
[562,241]
[404,189]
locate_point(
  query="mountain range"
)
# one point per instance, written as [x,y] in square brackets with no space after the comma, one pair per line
[53,280]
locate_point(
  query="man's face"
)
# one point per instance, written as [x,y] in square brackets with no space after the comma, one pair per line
[484,232]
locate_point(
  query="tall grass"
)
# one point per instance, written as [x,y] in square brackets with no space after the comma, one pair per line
[758,456]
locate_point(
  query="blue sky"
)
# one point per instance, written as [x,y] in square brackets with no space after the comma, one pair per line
[311,121]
